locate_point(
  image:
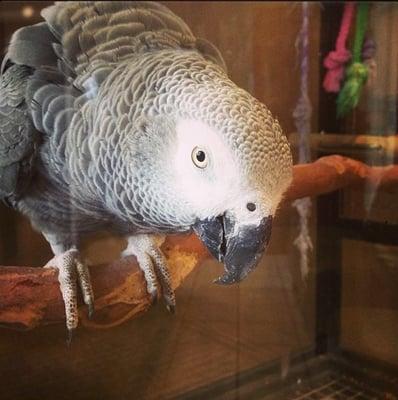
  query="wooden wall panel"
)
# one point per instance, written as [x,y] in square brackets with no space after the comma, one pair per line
[369,312]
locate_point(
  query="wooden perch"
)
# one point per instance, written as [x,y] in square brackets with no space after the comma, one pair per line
[30,296]
[331,173]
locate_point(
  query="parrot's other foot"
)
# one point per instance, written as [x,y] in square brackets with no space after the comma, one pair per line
[154,265]
[70,271]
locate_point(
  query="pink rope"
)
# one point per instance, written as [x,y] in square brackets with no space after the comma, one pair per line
[336,59]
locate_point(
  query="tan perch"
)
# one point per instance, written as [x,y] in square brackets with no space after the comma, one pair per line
[30,296]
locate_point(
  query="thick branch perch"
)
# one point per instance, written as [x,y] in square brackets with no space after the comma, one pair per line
[331,173]
[30,296]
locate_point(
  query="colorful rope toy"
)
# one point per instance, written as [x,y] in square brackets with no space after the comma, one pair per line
[302,120]
[336,59]
[357,72]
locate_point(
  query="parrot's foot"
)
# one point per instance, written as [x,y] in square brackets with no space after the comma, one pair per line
[70,271]
[154,265]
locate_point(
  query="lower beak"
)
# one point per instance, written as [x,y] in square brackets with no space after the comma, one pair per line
[238,246]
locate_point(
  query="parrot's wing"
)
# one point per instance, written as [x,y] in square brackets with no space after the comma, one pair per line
[36,97]
[18,138]
[94,37]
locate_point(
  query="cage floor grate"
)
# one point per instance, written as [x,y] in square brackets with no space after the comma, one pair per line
[321,377]
[338,388]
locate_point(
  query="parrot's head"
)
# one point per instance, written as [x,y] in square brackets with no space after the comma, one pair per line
[220,164]
[234,180]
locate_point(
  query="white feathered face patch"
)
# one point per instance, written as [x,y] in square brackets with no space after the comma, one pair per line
[205,167]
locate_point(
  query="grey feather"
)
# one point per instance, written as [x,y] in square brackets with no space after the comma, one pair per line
[17,136]
[210,52]
[8,179]
[31,45]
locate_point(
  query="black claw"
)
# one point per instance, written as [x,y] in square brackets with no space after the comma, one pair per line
[219,281]
[90,310]
[227,279]
[70,336]
[171,308]
[154,298]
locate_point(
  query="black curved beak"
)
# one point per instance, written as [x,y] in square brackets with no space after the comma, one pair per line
[239,247]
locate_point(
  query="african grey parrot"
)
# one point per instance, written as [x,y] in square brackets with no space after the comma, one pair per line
[114,116]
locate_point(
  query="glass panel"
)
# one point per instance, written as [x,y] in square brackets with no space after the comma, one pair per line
[281,333]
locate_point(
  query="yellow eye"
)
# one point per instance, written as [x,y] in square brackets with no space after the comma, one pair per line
[199,157]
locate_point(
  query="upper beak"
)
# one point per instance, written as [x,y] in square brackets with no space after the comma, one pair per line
[238,246]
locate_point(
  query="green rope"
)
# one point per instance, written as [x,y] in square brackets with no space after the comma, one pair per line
[357,72]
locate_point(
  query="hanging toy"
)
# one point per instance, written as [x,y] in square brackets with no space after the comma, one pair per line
[302,119]
[337,58]
[368,58]
[357,72]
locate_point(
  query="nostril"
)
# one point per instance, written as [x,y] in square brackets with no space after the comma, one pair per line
[251,206]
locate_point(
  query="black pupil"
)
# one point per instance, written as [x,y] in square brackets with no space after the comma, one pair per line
[200,156]
[251,206]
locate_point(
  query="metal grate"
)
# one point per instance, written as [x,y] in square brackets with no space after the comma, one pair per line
[322,377]
[338,388]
